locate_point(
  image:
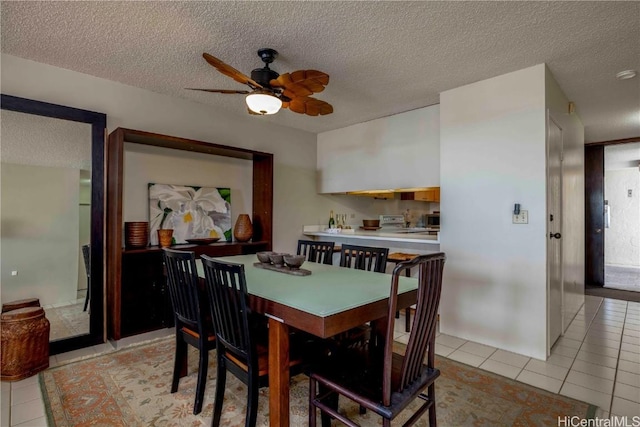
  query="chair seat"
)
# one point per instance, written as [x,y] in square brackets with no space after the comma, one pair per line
[263,361]
[196,335]
[359,373]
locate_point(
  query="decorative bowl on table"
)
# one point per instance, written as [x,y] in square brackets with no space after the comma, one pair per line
[277,259]
[294,261]
[264,257]
[371,223]
[203,240]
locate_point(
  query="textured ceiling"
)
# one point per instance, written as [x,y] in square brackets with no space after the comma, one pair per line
[44,141]
[383,57]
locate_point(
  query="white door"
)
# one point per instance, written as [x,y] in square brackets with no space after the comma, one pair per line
[554,233]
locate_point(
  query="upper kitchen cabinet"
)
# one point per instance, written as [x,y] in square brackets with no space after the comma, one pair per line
[426,195]
[400,151]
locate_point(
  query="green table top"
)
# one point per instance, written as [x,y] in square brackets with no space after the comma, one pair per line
[328,290]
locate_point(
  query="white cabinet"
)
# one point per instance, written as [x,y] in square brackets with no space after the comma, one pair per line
[400,151]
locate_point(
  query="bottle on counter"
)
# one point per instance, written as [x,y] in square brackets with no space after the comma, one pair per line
[332,222]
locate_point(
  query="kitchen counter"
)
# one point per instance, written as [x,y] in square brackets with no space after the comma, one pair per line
[380,235]
[414,243]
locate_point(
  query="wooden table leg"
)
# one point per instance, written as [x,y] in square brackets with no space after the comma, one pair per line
[278,373]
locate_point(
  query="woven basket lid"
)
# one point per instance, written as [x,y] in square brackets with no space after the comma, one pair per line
[23,313]
[20,303]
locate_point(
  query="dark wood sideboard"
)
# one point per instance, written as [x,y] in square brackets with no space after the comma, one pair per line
[137,299]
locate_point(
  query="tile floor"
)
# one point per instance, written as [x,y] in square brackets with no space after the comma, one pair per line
[596,361]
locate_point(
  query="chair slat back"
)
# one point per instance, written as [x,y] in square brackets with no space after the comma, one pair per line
[86,254]
[364,258]
[228,301]
[315,251]
[182,281]
[423,330]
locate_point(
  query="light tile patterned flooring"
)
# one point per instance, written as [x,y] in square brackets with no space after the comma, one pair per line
[596,361]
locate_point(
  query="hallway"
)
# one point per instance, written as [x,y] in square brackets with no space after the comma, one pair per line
[626,278]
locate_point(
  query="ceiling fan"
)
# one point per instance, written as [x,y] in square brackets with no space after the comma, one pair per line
[270,91]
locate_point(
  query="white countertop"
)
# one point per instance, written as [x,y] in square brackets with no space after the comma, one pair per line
[318,230]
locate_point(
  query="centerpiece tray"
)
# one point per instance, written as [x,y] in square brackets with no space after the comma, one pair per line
[283,269]
[203,241]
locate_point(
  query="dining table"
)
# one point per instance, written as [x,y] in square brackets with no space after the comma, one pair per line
[324,303]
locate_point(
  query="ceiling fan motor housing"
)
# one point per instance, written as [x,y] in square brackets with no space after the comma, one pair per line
[264,76]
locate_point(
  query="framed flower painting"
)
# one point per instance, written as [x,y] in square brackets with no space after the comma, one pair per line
[192,212]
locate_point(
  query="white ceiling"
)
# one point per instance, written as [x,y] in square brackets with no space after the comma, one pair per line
[622,156]
[383,57]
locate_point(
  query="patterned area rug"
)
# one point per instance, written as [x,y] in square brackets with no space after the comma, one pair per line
[67,321]
[131,388]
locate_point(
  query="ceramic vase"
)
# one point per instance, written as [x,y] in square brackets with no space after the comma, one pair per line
[165,236]
[243,230]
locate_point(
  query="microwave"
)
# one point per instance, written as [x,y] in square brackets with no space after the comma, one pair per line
[432,219]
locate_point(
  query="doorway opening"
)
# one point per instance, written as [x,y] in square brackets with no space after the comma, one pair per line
[622,217]
[595,218]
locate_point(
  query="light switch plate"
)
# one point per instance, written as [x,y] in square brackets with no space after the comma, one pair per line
[521,218]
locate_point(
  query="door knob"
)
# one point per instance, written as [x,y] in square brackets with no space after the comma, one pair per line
[555,235]
[598,230]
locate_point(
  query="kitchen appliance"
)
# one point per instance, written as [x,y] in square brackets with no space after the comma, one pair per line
[396,224]
[432,220]
[391,222]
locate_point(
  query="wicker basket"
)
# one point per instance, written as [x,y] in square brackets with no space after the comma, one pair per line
[25,343]
[21,303]
[136,234]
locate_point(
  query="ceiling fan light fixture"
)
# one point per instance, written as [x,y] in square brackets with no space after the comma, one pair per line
[262,102]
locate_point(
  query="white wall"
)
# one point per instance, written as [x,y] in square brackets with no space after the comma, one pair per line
[295,198]
[146,164]
[622,238]
[399,151]
[492,145]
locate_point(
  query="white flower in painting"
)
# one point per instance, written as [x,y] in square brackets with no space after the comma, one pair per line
[165,199]
[186,210]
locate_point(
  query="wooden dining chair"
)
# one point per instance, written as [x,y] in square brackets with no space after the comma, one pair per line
[193,326]
[316,251]
[377,378]
[242,348]
[86,255]
[364,258]
[361,258]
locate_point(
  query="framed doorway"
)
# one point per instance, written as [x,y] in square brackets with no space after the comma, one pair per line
[596,219]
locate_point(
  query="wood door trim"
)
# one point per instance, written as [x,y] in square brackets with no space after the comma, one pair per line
[594,215]
[615,141]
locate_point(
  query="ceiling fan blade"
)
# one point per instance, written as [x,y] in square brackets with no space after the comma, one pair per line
[219,90]
[310,106]
[301,82]
[228,70]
